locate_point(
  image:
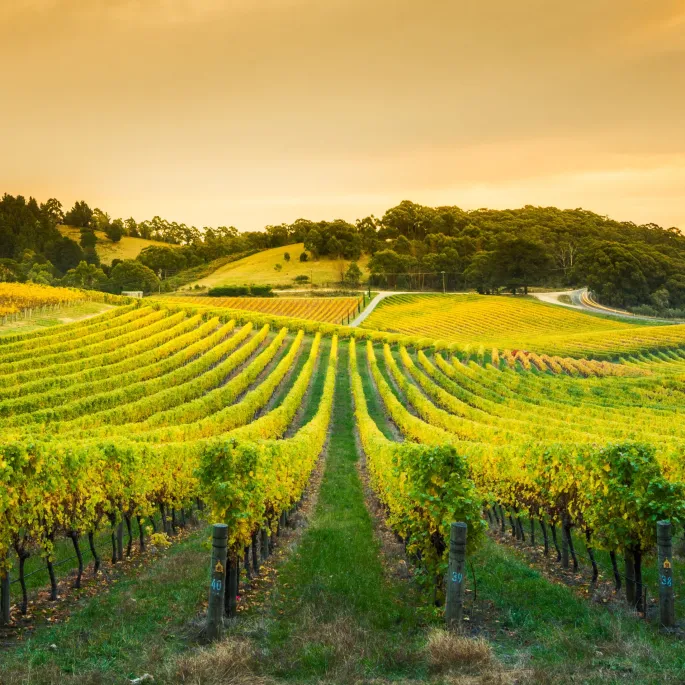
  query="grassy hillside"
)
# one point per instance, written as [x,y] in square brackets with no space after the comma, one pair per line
[260,268]
[501,321]
[126,248]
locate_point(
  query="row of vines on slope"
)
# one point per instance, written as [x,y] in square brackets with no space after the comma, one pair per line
[611,476]
[110,433]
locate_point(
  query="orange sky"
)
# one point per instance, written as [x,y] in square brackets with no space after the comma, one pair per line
[249,112]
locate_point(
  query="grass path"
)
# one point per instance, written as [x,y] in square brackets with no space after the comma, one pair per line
[334,614]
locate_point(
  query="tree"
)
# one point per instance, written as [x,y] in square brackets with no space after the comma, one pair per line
[53,210]
[65,254]
[24,226]
[278,235]
[313,243]
[10,270]
[387,264]
[402,245]
[334,248]
[565,256]
[660,298]
[115,230]
[286,256]
[131,227]
[613,272]
[480,273]
[133,275]
[79,215]
[519,262]
[88,276]
[353,276]
[162,259]
[99,221]
[92,257]
[304,256]
[676,290]
[88,239]
[410,220]
[41,274]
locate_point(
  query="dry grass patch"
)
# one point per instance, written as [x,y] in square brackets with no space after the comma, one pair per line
[230,662]
[448,651]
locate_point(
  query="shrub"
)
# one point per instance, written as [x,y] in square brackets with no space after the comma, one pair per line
[229,291]
[241,291]
[261,291]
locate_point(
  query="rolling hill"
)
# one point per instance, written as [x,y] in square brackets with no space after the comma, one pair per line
[126,248]
[261,268]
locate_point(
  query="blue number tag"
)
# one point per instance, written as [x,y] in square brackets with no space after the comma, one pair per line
[668,582]
[457,577]
[216,585]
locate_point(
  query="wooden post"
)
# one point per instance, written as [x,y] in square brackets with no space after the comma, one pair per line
[5,599]
[217,587]
[456,574]
[666,595]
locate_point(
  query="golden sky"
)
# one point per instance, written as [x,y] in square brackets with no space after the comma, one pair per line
[250,112]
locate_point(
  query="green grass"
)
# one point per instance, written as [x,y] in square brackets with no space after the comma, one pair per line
[557,632]
[342,618]
[137,626]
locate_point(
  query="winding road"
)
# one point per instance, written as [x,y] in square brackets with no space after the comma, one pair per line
[579,301]
[374,303]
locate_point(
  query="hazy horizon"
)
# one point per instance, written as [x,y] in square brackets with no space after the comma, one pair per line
[230,112]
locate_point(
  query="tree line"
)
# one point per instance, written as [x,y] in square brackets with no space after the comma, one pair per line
[640,267]
[414,247]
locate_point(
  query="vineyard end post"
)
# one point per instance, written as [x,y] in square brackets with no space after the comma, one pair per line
[217,587]
[456,575]
[666,594]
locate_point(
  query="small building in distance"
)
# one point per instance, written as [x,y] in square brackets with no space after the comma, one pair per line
[132,293]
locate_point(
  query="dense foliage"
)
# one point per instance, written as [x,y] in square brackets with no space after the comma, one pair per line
[412,247]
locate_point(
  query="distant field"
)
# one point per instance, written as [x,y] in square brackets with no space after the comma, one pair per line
[126,248]
[327,309]
[500,321]
[68,314]
[260,268]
